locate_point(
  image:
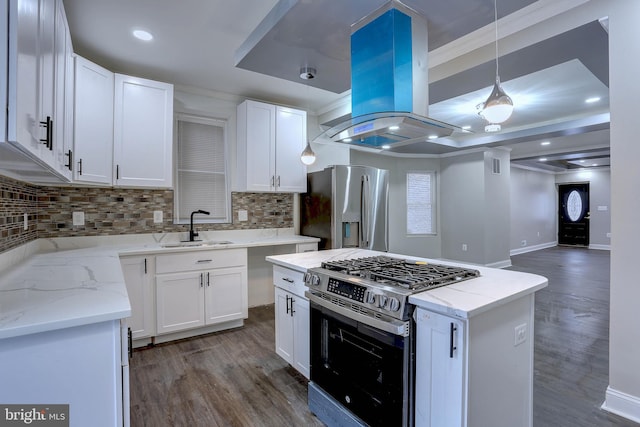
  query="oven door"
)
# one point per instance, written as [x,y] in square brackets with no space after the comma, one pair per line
[367,370]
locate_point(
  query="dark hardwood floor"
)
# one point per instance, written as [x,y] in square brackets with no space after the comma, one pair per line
[571,360]
[234,378]
[230,378]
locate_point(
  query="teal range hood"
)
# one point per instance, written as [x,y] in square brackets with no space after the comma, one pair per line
[389,82]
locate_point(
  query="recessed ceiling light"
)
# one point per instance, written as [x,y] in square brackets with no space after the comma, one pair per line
[394,127]
[347,140]
[432,137]
[594,164]
[592,100]
[467,127]
[142,35]
[582,161]
[385,147]
[545,143]
[543,159]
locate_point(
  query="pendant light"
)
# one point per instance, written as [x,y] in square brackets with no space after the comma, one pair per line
[308,157]
[498,106]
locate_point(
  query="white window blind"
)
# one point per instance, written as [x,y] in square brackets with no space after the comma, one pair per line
[201,175]
[420,203]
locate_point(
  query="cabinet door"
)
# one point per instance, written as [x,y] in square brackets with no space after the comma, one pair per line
[440,370]
[143,132]
[260,146]
[179,301]
[62,91]
[284,326]
[93,126]
[46,79]
[301,335]
[291,138]
[226,295]
[23,76]
[138,276]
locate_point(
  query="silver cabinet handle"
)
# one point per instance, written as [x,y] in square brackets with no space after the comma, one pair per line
[202,261]
[286,279]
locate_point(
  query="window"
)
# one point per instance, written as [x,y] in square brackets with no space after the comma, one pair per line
[201,170]
[420,203]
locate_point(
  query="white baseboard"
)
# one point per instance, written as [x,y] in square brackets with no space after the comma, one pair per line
[600,247]
[622,404]
[500,264]
[526,249]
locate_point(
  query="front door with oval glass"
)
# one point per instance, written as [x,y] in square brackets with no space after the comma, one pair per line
[573,215]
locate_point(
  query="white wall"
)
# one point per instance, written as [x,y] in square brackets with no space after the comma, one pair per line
[599,196]
[462,210]
[497,208]
[533,210]
[623,394]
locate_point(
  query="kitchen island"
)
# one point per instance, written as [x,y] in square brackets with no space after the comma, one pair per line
[474,342]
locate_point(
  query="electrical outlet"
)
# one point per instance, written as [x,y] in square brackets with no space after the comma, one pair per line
[464,247]
[609,235]
[523,243]
[520,334]
[78,218]
[157,217]
[26,221]
[243,215]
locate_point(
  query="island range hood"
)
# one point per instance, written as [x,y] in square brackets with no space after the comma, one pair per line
[389,83]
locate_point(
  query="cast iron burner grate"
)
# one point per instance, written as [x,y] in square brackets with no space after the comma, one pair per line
[407,274]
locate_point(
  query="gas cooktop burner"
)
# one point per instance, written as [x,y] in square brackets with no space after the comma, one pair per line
[412,275]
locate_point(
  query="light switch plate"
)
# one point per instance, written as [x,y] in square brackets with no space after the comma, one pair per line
[157,217]
[78,218]
[243,215]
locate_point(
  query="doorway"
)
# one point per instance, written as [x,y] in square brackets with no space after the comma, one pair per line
[573,214]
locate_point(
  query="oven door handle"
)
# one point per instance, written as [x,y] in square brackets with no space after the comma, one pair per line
[393,326]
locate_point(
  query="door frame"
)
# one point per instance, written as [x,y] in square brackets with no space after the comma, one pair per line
[559,207]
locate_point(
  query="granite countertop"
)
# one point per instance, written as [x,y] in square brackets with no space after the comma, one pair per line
[52,284]
[465,299]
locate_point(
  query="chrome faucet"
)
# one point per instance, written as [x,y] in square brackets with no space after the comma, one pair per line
[192,233]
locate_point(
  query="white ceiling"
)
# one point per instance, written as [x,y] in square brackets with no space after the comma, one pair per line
[196,44]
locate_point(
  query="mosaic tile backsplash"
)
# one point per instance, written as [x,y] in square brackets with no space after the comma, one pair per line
[112,211]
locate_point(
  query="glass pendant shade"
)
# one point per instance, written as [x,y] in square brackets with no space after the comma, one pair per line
[308,157]
[498,106]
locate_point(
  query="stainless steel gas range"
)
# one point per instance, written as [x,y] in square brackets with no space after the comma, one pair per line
[363,337]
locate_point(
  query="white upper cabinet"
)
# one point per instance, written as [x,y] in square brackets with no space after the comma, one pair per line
[63,95]
[270,139]
[93,125]
[143,132]
[38,50]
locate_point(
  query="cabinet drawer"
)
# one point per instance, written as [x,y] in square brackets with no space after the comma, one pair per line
[200,260]
[289,280]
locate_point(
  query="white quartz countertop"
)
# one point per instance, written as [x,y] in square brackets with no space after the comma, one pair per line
[465,299]
[59,283]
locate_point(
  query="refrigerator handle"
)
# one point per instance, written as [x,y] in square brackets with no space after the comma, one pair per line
[364,211]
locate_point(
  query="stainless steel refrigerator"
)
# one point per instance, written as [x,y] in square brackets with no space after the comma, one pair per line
[347,207]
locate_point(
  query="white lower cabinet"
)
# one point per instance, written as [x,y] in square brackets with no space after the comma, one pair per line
[138,274]
[440,370]
[201,289]
[475,371]
[292,319]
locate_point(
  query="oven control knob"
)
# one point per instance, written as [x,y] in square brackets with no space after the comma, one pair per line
[369,297]
[382,300]
[307,277]
[394,304]
[314,280]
